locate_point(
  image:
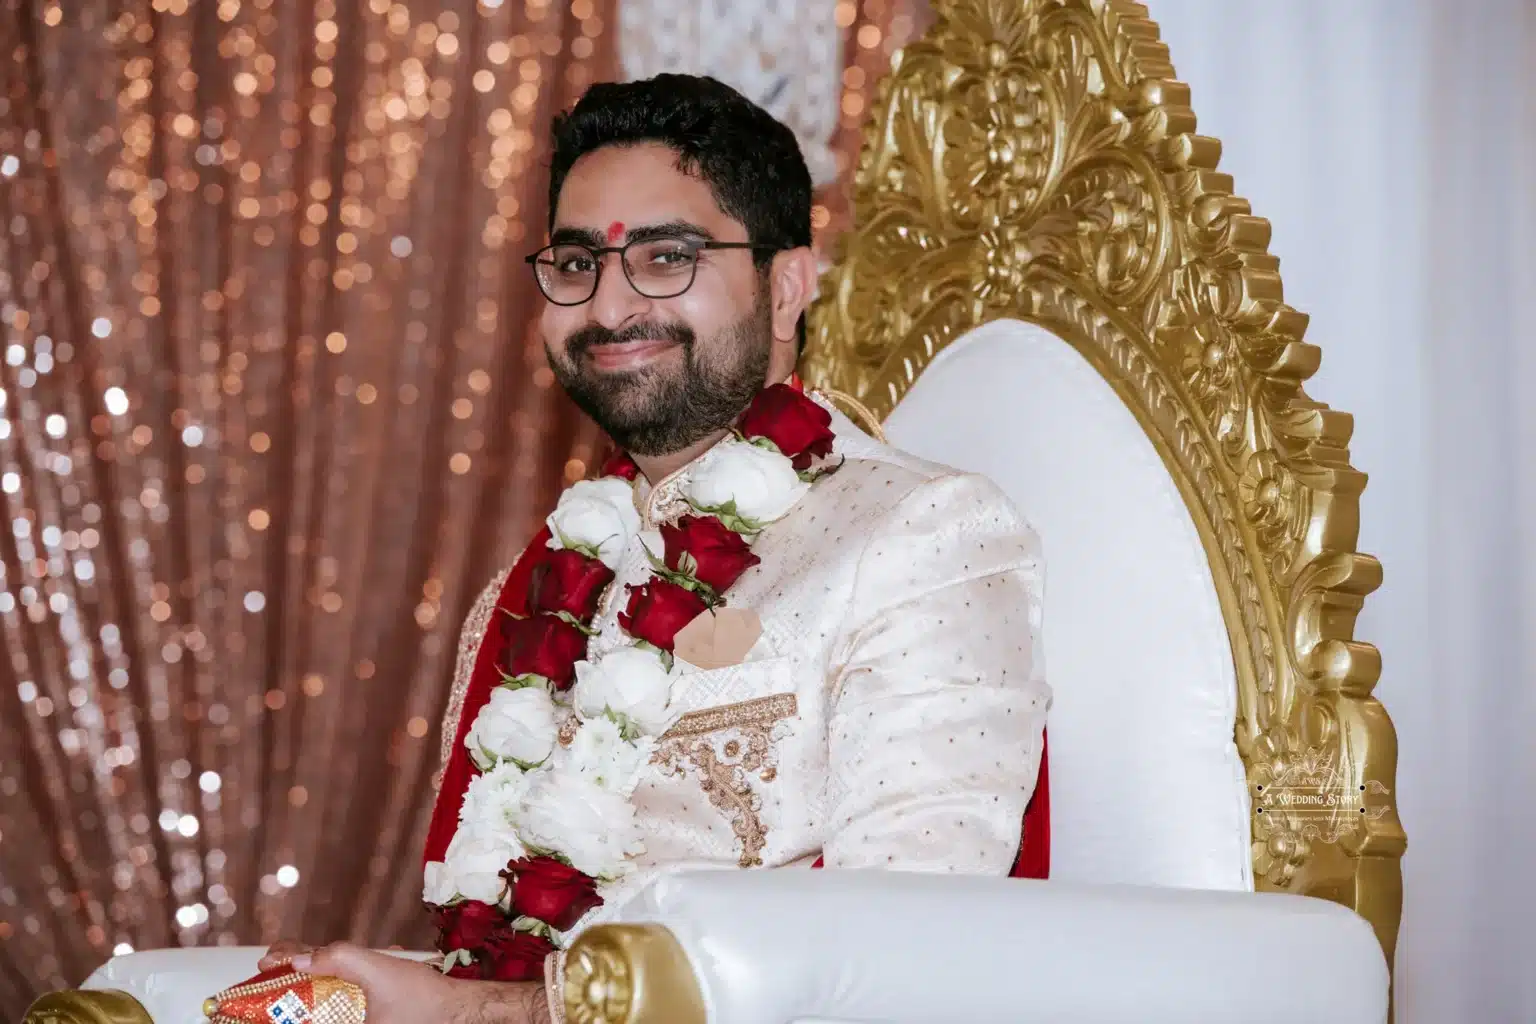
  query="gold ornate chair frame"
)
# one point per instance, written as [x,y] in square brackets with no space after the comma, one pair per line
[1037,159]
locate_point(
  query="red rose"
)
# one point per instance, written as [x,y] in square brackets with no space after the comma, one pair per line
[619,464]
[467,925]
[658,610]
[797,426]
[549,891]
[568,581]
[543,645]
[515,956]
[719,553]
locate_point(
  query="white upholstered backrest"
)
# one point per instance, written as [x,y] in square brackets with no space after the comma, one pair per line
[1146,783]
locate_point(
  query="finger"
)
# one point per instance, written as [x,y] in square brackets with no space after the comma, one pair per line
[338,960]
[281,952]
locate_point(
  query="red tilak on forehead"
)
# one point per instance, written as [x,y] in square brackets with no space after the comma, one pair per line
[615,231]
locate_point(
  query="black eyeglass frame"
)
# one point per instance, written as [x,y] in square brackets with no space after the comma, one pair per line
[599,251]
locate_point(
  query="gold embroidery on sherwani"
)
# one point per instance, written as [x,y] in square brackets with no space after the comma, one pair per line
[760,711]
[725,773]
[475,624]
[665,502]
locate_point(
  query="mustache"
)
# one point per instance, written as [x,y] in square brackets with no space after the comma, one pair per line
[592,335]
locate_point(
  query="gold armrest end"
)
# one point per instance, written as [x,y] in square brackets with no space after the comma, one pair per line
[80,1006]
[631,974]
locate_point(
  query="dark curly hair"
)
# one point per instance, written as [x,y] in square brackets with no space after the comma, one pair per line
[750,160]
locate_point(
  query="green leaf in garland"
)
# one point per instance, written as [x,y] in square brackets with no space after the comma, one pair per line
[628,730]
[590,550]
[484,761]
[523,681]
[810,476]
[534,926]
[452,960]
[657,564]
[665,656]
[572,620]
[683,577]
[733,520]
[539,851]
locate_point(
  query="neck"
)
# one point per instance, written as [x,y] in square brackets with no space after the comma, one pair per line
[658,467]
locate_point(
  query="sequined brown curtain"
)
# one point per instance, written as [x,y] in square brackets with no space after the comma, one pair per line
[271,414]
[873,30]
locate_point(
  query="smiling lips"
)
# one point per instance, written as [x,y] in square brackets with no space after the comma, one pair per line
[626,355]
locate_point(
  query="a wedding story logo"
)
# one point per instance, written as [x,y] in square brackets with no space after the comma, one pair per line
[1307,794]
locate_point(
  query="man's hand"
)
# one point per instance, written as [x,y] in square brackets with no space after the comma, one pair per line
[404,992]
[281,952]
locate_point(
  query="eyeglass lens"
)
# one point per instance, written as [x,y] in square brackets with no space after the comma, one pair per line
[657,268]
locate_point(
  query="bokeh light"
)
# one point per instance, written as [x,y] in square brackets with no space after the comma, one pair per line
[267,425]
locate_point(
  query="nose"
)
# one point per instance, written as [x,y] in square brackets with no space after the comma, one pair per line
[616,302]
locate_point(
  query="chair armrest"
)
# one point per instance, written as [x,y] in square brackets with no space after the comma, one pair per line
[171,984]
[772,947]
[156,986]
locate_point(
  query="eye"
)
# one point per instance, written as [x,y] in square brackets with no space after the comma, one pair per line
[575,263]
[675,256]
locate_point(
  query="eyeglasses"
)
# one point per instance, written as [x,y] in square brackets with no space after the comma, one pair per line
[662,267]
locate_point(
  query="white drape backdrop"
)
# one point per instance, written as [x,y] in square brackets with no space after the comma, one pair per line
[1392,143]
[785,55]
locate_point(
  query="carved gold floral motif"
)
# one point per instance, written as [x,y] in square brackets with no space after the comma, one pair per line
[1037,159]
[630,972]
[599,984]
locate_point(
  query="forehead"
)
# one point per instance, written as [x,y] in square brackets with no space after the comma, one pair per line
[632,186]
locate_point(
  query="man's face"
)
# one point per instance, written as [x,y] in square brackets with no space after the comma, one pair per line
[657,374]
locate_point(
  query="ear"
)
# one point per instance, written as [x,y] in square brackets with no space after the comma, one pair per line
[793,279]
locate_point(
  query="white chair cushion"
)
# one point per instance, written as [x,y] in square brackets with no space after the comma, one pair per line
[173,983]
[773,947]
[1146,783]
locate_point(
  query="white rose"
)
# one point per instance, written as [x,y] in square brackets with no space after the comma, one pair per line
[592,827]
[762,483]
[598,515]
[629,681]
[476,861]
[600,752]
[493,803]
[440,887]
[516,723]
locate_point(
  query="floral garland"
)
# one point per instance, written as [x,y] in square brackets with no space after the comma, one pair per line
[562,743]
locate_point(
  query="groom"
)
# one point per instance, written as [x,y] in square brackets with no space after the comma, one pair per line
[762,639]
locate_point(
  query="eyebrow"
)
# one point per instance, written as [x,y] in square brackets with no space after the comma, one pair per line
[593,239]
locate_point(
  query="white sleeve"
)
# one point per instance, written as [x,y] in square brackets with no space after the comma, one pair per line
[938,691]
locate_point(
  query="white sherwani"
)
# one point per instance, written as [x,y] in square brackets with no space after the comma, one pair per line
[889,716]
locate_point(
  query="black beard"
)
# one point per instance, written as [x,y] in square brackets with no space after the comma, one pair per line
[654,411]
